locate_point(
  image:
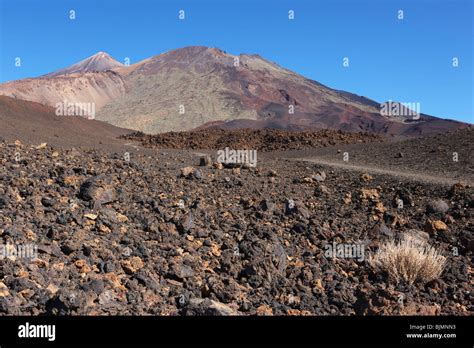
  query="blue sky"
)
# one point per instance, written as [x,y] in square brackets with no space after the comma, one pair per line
[407,60]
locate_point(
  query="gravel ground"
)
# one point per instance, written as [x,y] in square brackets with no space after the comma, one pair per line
[161,235]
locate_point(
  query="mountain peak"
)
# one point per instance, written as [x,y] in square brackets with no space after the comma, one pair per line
[101,55]
[100,61]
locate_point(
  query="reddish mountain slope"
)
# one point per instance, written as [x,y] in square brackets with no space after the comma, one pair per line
[34,123]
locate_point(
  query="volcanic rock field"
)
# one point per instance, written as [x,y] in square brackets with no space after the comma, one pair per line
[163,231]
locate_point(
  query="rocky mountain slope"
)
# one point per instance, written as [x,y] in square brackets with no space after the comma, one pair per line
[34,123]
[199,87]
[99,88]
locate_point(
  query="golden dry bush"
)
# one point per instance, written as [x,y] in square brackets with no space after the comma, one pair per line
[411,259]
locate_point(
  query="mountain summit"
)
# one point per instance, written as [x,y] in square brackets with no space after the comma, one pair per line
[100,61]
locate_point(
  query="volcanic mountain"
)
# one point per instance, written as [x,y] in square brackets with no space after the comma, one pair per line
[88,81]
[199,87]
[100,61]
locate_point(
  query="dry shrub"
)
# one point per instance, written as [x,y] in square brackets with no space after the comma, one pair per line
[411,259]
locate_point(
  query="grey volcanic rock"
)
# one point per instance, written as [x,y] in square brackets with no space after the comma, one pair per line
[98,190]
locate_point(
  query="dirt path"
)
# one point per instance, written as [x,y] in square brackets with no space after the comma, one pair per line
[413,176]
[134,145]
[421,177]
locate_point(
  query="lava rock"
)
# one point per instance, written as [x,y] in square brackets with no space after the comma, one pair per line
[98,190]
